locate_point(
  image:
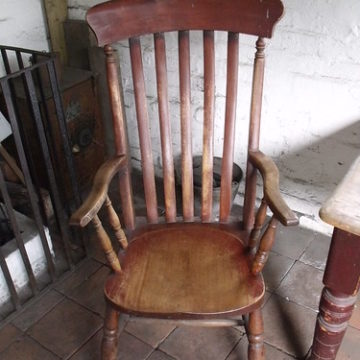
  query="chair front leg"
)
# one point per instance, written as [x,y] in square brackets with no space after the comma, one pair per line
[109,345]
[255,330]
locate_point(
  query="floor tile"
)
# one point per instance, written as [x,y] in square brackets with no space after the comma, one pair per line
[94,249]
[6,309]
[355,318]
[91,292]
[159,355]
[275,269]
[292,241]
[317,252]
[151,333]
[200,343]
[273,353]
[131,348]
[37,310]
[65,328]
[350,347]
[91,350]
[82,273]
[266,297]
[8,334]
[240,352]
[302,285]
[26,348]
[288,326]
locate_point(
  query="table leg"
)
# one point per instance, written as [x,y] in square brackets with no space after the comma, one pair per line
[341,280]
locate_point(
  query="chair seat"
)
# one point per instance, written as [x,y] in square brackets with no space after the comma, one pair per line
[186,269]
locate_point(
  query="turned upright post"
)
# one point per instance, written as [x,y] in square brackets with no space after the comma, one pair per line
[259,222]
[120,136]
[106,245]
[254,132]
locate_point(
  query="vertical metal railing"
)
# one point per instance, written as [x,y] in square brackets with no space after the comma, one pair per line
[33,75]
[15,228]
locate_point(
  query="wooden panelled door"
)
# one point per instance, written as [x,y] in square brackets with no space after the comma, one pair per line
[184,268]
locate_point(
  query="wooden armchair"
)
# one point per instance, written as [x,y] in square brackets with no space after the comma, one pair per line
[186,269]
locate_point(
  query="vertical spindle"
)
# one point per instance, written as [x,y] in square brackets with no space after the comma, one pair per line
[229,131]
[106,245]
[186,141]
[144,130]
[266,243]
[165,128]
[254,132]
[259,222]
[208,135]
[115,224]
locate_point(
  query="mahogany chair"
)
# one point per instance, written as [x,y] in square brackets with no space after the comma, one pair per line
[186,269]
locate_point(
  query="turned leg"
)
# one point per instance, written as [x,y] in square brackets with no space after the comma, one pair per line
[341,280]
[255,330]
[110,337]
[335,312]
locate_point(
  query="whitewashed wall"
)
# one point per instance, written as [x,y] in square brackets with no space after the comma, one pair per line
[22,24]
[311,108]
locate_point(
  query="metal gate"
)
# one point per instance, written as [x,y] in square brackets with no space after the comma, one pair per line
[38,199]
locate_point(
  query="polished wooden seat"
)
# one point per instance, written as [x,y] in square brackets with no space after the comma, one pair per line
[186,270]
[204,270]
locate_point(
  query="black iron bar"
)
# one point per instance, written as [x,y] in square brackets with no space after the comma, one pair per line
[48,126]
[65,140]
[26,51]
[59,210]
[19,60]
[5,61]
[14,226]
[26,141]
[14,296]
[16,74]
[46,123]
[26,171]
[63,130]
[5,269]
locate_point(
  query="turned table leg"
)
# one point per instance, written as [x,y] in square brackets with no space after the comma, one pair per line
[341,280]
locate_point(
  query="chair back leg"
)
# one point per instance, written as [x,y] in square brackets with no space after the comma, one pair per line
[109,345]
[255,330]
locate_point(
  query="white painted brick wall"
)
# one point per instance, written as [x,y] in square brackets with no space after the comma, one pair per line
[311,106]
[22,24]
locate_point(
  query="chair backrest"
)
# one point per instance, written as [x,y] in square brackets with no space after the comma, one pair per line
[129,19]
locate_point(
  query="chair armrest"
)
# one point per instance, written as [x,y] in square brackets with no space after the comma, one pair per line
[342,209]
[99,190]
[270,175]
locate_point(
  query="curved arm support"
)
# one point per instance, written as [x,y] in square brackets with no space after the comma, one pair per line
[270,175]
[99,190]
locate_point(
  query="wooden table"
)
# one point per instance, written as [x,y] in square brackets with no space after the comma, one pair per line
[341,278]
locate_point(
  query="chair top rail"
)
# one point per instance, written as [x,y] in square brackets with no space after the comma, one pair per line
[121,19]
